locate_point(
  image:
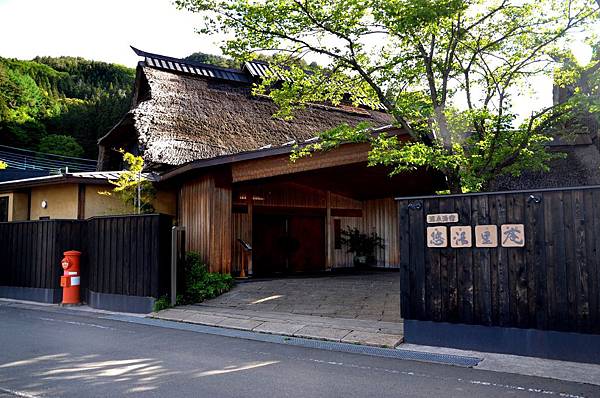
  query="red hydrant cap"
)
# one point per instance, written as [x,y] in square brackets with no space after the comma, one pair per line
[72,253]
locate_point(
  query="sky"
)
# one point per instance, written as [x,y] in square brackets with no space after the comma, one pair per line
[103,30]
[100,30]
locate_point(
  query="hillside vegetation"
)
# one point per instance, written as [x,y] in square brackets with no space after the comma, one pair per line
[62,105]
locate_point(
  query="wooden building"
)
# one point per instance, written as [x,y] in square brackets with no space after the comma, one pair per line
[71,196]
[228,159]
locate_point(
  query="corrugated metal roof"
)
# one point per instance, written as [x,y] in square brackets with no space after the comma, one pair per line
[94,175]
[190,67]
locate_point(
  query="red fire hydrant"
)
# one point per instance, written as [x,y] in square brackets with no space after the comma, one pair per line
[71,279]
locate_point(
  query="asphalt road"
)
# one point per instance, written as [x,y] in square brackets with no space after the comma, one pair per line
[52,352]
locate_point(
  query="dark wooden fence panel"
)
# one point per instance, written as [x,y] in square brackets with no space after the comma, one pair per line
[127,255]
[552,283]
[30,251]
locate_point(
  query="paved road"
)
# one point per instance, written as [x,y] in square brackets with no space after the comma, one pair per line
[53,352]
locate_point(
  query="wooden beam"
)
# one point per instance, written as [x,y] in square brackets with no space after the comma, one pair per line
[281,164]
[328,234]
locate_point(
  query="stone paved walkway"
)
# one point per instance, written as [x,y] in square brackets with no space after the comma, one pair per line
[359,309]
[373,296]
[356,331]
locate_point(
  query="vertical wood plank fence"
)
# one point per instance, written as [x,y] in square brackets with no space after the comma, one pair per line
[552,283]
[30,251]
[126,255]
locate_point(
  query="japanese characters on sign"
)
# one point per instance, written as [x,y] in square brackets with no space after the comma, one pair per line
[437,236]
[513,235]
[460,236]
[442,218]
[486,236]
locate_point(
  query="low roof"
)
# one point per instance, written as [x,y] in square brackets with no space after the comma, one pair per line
[94,177]
[187,111]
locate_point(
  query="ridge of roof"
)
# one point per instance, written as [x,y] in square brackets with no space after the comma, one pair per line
[250,71]
[192,67]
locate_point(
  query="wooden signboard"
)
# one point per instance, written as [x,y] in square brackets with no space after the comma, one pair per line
[486,236]
[442,218]
[513,235]
[460,237]
[437,236]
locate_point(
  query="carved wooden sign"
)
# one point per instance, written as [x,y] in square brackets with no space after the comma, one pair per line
[486,236]
[437,236]
[461,236]
[442,218]
[513,235]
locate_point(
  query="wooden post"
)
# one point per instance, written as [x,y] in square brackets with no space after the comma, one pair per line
[249,258]
[328,235]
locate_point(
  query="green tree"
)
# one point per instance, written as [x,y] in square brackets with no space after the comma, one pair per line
[132,187]
[445,69]
[211,59]
[57,95]
[60,145]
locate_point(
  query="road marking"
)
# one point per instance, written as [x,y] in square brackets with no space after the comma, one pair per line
[77,323]
[18,393]
[533,390]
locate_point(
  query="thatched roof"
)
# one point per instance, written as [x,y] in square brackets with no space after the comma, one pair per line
[185,111]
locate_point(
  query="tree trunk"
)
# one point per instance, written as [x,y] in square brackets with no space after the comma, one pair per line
[442,124]
[453,181]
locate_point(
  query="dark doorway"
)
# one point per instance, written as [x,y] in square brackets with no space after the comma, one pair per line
[288,243]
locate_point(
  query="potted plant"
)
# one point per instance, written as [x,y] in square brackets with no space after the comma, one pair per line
[361,245]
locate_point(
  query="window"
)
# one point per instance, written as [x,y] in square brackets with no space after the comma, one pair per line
[3,208]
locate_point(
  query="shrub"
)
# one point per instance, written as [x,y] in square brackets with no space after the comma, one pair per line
[162,303]
[201,284]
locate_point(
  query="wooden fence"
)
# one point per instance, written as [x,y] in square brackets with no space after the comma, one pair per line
[127,255]
[551,283]
[30,251]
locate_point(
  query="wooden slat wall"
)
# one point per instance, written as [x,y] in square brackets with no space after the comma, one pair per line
[553,283]
[205,212]
[31,251]
[280,165]
[127,255]
[381,216]
[241,229]
[290,194]
[341,258]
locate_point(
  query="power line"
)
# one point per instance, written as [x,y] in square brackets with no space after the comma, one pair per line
[25,159]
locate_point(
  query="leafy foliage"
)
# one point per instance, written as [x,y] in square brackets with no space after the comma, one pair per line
[61,96]
[60,145]
[359,243]
[201,284]
[419,59]
[211,59]
[132,188]
[162,303]
[3,165]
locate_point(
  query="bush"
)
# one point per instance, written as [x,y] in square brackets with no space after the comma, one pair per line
[162,303]
[201,284]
